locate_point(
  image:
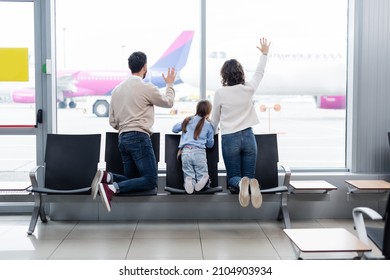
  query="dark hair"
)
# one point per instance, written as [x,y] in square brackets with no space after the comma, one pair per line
[136,61]
[203,110]
[232,73]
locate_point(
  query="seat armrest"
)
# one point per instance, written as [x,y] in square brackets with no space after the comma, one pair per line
[357,215]
[287,175]
[33,174]
[372,214]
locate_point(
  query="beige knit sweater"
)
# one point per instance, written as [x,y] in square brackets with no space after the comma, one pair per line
[132,105]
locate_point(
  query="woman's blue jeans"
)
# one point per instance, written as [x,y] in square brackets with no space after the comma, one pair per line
[139,163]
[239,151]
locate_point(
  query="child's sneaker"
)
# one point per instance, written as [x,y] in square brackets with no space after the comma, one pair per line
[202,183]
[188,186]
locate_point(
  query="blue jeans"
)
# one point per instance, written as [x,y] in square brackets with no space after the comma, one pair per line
[139,163]
[194,163]
[239,152]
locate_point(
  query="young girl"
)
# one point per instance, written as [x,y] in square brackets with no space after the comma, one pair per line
[197,135]
[233,110]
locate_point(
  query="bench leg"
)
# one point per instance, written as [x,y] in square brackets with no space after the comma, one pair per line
[283,211]
[37,211]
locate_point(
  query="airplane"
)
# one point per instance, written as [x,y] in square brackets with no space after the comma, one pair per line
[6,89]
[320,74]
[80,83]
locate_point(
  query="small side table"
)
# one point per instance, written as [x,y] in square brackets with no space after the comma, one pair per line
[368,189]
[312,185]
[325,240]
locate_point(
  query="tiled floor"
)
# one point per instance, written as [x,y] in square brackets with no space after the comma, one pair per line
[148,240]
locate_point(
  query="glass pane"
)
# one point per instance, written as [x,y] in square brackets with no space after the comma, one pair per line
[17,102]
[17,157]
[302,95]
[92,55]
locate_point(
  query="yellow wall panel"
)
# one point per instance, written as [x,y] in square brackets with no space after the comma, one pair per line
[13,64]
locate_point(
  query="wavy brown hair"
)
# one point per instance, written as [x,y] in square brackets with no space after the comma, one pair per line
[232,73]
[203,110]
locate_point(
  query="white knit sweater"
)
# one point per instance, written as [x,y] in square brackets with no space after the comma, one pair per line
[233,106]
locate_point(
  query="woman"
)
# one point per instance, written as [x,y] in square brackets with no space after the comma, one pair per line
[233,110]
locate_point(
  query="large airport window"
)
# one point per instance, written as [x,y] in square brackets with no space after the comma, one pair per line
[301,98]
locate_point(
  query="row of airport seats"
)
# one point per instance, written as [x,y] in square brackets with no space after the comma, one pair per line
[71,161]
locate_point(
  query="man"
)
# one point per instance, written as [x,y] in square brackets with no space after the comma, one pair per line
[132,114]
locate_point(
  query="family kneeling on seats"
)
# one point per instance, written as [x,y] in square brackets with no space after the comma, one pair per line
[232,115]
